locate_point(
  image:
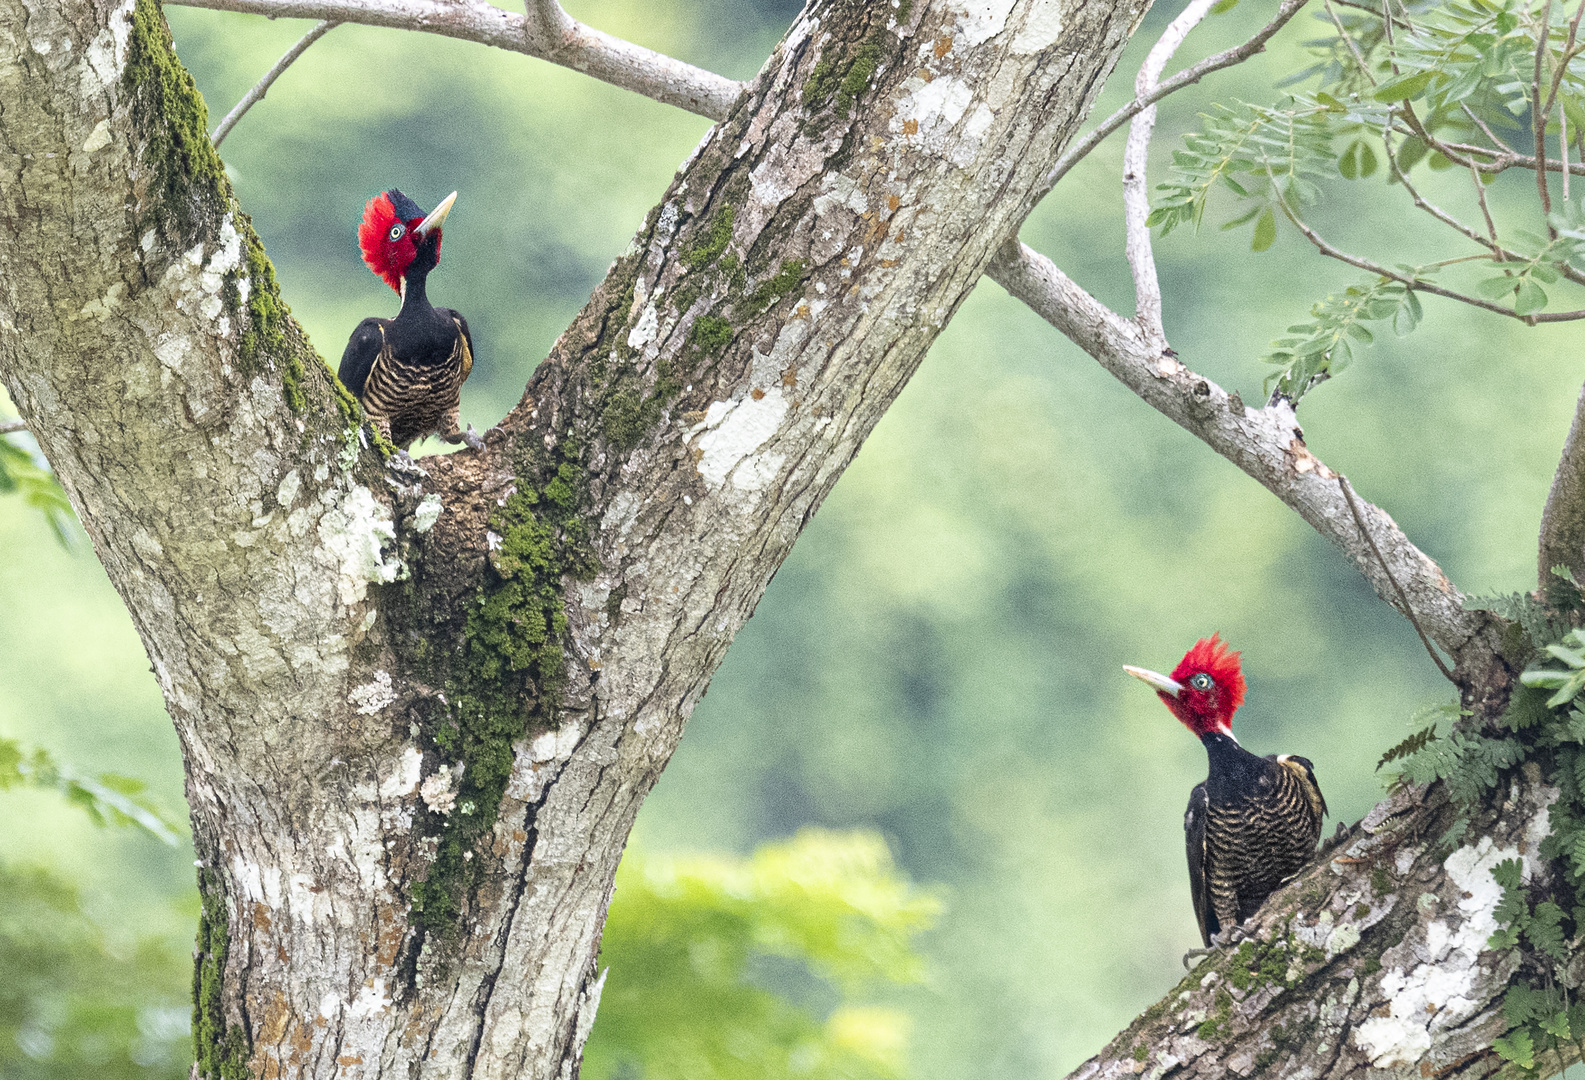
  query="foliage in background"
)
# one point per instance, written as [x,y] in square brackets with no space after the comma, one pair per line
[21,474]
[681,1001]
[76,1004]
[1451,83]
[107,798]
[73,1002]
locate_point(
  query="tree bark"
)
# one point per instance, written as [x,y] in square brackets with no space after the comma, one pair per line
[420,705]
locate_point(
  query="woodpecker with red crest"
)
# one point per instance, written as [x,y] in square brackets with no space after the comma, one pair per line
[408,371]
[1253,823]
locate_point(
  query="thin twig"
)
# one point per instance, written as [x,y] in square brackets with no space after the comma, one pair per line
[1415,283]
[1562,140]
[1424,204]
[1187,77]
[1136,162]
[1480,197]
[582,48]
[1568,57]
[1538,115]
[1368,10]
[11,427]
[1408,608]
[262,87]
[1353,46]
[1487,131]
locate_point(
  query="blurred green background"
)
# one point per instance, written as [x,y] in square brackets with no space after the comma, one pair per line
[939,660]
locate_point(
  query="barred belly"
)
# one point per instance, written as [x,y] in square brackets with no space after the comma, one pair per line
[1254,846]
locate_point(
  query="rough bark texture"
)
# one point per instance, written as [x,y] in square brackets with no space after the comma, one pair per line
[1374,963]
[1563,520]
[420,707]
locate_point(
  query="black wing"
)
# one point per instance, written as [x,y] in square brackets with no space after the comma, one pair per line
[467,339]
[1307,775]
[357,360]
[1199,872]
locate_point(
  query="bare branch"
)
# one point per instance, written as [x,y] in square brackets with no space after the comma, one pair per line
[262,87]
[11,427]
[582,48]
[1480,196]
[1136,163]
[1563,520]
[1187,77]
[1266,443]
[1486,130]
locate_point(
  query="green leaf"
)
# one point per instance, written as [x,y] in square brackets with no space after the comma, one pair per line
[1517,1047]
[1265,230]
[1405,87]
[1529,296]
[1222,7]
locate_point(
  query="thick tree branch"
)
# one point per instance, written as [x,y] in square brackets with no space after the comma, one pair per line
[1266,443]
[262,87]
[568,43]
[1563,520]
[11,427]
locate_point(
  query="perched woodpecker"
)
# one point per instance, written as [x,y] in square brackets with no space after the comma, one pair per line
[1253,823]
[408,371]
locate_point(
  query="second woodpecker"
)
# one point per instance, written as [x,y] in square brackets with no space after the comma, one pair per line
[1253,823]
[408,371]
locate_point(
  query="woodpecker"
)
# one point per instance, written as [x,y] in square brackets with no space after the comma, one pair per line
[408,371]
[1253,823]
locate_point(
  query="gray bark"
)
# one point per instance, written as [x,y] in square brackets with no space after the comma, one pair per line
[409,803]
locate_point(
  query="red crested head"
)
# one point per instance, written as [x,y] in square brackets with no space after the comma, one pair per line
[1204,690]
[393,230]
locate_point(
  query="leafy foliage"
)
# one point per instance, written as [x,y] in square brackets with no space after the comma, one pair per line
[21,475]
[1439,89]
[74,1004]
[698,946]
[107,799]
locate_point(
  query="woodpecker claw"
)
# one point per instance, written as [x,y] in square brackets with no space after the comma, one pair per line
[471,438]
[1193,953]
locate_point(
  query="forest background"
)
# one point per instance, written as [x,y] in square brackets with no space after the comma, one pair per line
[938,662]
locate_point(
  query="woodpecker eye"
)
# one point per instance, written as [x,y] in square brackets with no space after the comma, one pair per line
[1202,681]
[397,231]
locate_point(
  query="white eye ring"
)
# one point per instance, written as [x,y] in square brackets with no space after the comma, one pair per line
[397,231]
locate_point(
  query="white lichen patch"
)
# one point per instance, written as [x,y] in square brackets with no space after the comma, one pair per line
[730,434]
[98,138]
[286,491]
[409,767]
[427,513]
[1435,994]
[928,114]
[106,54]
[436,791]
[1042,27]
[372,697]
[980,20]
[370,1000]
[529,764]
[355,534]
[647,329]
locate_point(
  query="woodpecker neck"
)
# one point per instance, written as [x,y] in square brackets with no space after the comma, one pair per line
[1233,770]
[415,296]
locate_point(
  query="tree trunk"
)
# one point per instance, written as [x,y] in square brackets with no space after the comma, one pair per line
[420,705]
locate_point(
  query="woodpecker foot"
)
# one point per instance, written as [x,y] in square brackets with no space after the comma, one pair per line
[471,438]
[1195,954]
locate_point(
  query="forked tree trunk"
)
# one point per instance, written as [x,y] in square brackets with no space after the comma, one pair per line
[420,707]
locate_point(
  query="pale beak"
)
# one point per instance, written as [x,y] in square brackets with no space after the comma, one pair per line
[1155,679]
[437,216]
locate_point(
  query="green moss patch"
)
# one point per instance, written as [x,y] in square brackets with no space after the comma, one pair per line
[166,105]
[221,1052]
[512,655]
[713,243]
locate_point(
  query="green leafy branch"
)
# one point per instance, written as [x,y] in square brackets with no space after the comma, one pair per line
[107,798]
[21,475]
[1314,351]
